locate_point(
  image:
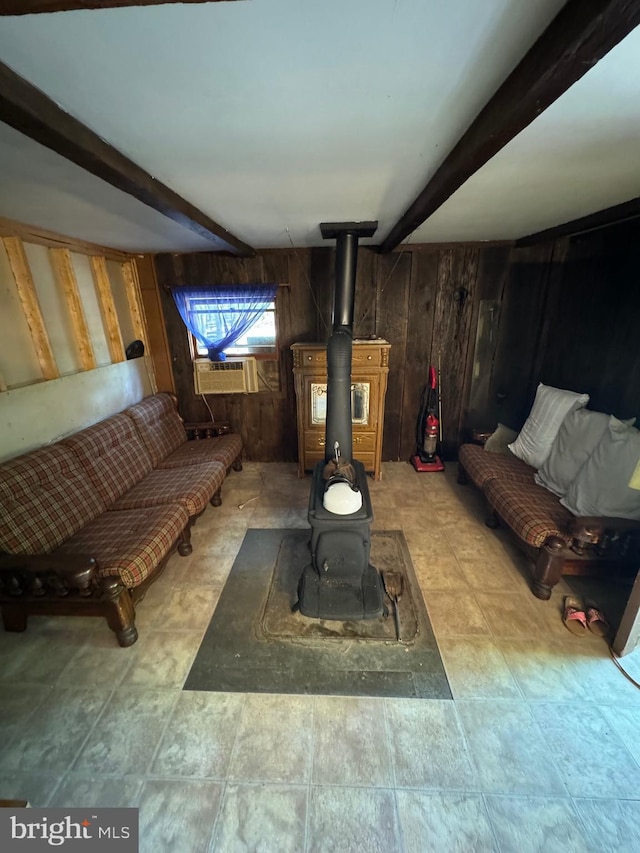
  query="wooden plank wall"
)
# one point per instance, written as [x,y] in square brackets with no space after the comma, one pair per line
[590,339]
[567,313]
[422,300]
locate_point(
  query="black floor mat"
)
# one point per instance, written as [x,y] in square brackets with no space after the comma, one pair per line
[256,643]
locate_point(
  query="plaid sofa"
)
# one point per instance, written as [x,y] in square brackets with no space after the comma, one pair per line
[165,438]
[557,541]
[88,522]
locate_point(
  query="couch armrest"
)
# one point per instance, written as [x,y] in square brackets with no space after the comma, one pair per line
[610,536]
[38,575]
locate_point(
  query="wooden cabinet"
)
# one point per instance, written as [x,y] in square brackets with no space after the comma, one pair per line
[369,370]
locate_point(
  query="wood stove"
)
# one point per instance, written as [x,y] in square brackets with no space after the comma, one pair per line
[340,583]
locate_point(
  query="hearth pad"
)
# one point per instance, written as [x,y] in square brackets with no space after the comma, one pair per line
[255,643]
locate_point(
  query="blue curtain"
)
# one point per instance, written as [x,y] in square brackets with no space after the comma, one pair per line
[218,316]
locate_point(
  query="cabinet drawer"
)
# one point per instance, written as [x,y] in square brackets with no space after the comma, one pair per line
[314,440]
[364,356]
[311,358]
[362,442]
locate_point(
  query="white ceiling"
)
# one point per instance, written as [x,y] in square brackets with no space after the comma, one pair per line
[272,116]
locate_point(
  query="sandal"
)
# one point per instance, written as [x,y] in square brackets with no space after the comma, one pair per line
[596,621]
[574,618]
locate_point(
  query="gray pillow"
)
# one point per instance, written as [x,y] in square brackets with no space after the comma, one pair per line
[577,438]
[498,441]
[602,484]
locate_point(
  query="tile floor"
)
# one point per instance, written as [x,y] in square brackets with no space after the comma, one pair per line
[539,751]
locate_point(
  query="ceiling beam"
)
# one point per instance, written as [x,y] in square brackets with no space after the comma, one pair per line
[31,112]
[34,7]
[600,219]
[581,34]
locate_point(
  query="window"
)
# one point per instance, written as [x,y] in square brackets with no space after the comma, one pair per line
[233,320]
[258,339]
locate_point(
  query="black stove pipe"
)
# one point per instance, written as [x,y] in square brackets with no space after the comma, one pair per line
[339,350]
[338,426]
[345,284]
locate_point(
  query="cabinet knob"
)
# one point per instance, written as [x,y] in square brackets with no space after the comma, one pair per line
[356,439]
[309,358]
[322,442]
[369,357]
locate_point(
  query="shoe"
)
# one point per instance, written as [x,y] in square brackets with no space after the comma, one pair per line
[596,621]
[574,617]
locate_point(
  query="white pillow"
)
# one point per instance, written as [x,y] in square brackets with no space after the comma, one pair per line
[602,484]
[550,408]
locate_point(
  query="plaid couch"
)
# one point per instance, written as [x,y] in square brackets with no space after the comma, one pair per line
[88,522]
[553,537]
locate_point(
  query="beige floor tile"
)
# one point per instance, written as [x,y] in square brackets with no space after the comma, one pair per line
[40,654]
[188,609]
[268,818]
[100,662]
[179,818]
[536,825]
[79,791]
[455,614]
[162,658]
[56,731]
[590,756]
[148,610]
[444,822]
[274,739]
[507,748]
[626,723]
[439,572]
[428,749]
[210,570]
[200,735]
[509,614]
[488,571]
[128,733]
[35,788]
[476,669]
[17,703]
[358,726]
[542,668]
[428,542]
[611,826]
[601,680]
[343,820]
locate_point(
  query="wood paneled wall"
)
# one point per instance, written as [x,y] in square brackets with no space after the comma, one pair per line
[566,316]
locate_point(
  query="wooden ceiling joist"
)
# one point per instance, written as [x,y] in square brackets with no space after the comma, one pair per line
[30,111]
[33,7]
[580,35]
[600,219]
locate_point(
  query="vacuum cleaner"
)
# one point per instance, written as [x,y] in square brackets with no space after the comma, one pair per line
[429,428]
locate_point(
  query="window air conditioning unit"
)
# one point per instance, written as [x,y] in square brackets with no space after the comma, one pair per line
[233,376]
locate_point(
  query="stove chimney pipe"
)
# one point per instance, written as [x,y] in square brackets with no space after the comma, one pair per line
[338,423]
